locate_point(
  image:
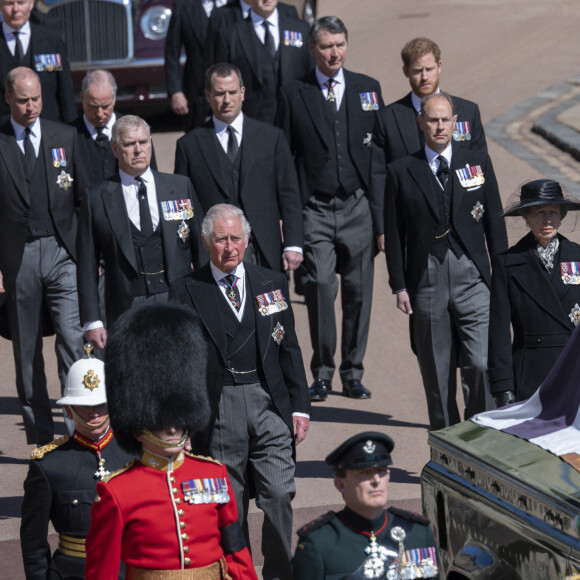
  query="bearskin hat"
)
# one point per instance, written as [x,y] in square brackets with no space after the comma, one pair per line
[155,367]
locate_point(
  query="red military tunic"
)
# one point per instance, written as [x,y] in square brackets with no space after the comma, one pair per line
[157,515]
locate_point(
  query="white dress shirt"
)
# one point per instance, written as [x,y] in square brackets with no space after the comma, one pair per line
[107,129]
[220,276]
[258,22]
[339,88]
[35,134]
[24,36]
[221,130]
[131,195]
[434,162]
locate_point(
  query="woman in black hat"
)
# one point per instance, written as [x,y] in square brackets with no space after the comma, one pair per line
[535,287]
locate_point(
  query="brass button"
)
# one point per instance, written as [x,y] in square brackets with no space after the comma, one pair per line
[182,525]
[172,479]
[175,490]
[184,537]
[180,512]
[186,549]
[187,561]
[75,501]
[177,500]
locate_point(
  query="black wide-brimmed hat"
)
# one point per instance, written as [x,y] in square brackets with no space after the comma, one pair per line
[541,192]
[367,449]
[155,366]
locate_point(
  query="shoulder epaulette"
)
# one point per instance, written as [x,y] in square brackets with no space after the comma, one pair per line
[411,516]
[316,524]
[41,451]
[125,467]
[203,458]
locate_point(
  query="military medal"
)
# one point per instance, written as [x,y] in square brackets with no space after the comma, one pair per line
[477,212]
[575,314]
[183,231]
[467,131]
[176,209]
[470,176]
[58,157]
[271,302]
[292,38]
[47,62]
[101,474]
[278,333]
[64,180]
[369,101]
[570,272]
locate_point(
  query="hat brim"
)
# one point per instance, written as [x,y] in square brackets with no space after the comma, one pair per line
[83,401]
[517,210]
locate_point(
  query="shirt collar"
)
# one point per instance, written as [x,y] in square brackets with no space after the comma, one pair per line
[160,462]
[7,30]
[417,100]
[257,19]
[432,155]
[109,126]
[218,275]
[127,179]
[322,78]
[245,8]
[19,129]
[237,124]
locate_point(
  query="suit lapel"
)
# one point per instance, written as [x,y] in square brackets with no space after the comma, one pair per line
[406,120]
[259,284]
[421,173]
[197,20]
[209,147]
[166,191]
[116,211]
[250,155]
[12,158]
[313,103]
[205,294]
[250,43]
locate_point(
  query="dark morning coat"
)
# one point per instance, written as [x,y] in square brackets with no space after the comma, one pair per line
[15,199]
[396,135]
[58,98]
[282,364]
[268,190]
[241,48]
[412,218]
[301,116]
[105,233]
[537,305]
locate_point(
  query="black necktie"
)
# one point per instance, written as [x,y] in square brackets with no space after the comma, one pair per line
[232,144]
[29,156]
[442,171]
[232,291]
[101,140]
[269,39]
[18,51]
[144,211]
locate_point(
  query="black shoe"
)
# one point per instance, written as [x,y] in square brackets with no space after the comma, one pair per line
[319,390]
[355,390]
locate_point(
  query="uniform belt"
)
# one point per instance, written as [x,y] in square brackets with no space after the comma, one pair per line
[72,546]
[216,571]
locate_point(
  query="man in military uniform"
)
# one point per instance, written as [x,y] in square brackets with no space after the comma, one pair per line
[62,477]
[170,510]
[365,540]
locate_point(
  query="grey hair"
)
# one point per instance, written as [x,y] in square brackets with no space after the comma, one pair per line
[223,211]
[100,78]
[128,122]
[332,24]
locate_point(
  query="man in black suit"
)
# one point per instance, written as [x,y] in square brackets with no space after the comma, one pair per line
[95,125]
[41,180]
[25,43]
[328,118]
[397,132]
[270,50]
[442,216]
[140,222]
[247,163]
[258,391]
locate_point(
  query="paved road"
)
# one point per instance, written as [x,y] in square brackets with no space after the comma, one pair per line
[500,53]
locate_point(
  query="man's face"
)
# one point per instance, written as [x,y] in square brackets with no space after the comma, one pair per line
[95,416]
[227,244]
[226,97]
[133,150]
[437,123]
[329,52]
[263,8]
[98,104]
[365,491]
[423,74]
[16,12]
[25,101]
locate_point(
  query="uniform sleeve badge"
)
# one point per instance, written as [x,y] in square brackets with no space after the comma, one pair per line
[369,101]
[271,303]
[477,212]
[64,180]
[278,334]
[470,176]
